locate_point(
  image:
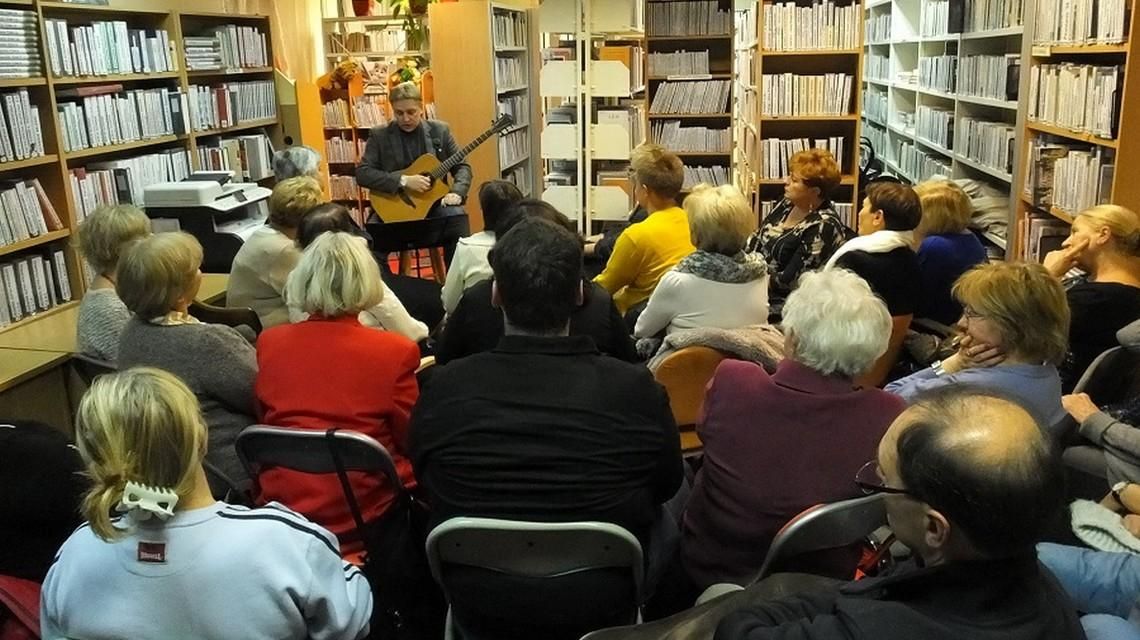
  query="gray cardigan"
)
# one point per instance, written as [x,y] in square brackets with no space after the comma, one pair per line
[218,365]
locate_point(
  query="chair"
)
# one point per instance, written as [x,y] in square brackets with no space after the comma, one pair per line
[1113,377]
[407,237]
[231,317]
[685,374]
[89,368]
[581,576]
[826,526]
[876,376]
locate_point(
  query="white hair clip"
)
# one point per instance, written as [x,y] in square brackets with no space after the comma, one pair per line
[148,500]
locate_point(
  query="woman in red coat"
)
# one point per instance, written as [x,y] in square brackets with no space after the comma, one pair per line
[331,371]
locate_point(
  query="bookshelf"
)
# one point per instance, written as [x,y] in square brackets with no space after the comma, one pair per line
[143,55]
[940,93]
[1078,145]
[493,73]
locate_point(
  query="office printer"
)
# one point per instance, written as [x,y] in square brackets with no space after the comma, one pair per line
[220,214]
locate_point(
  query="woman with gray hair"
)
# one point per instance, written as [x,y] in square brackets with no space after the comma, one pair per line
[298,160]
[777,443]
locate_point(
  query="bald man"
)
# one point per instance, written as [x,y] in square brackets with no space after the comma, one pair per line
[971,483]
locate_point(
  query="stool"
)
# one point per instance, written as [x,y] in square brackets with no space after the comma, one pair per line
[408,237]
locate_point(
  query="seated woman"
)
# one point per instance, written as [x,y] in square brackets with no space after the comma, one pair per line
[103,237]
[390,313]
[882,253]
[718,285]
[777,444]
[470,262]
[477,325]
[803,230]
[363,380]
[257,277]
[946,248]
[158,279]
[1105,244]
[1014,322]
[173,562]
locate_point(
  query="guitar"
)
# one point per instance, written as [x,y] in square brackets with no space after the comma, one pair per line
[404,205]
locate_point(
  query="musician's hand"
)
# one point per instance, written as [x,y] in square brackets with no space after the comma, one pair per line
[452,200]
[417,183]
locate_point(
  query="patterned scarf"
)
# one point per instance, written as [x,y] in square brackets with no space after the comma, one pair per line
[717,267]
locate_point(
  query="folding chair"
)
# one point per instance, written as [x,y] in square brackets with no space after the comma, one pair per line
[1113,377]
[229,316]
[581,576]
[89,368]
[826,526]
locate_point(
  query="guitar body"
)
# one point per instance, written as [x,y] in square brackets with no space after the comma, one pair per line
[404,206]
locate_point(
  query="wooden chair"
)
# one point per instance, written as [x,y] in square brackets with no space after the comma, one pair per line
[685,374]
[229,316]
[876,376]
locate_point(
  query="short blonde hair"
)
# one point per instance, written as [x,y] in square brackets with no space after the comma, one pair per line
[336,276]
[292,199]
[106,233]
[1122,223]
[1025,301]
[405,91]
[816,168]
[157,271]
[720,220]
[945,207]
[837,325]
[659,170]
[142,425]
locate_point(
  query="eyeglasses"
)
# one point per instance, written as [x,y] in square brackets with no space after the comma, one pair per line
[971,314]
[869,478]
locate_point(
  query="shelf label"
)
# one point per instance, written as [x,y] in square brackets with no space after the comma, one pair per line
[1041,50]
[694,76]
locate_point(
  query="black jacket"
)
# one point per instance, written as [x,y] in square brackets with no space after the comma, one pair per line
[1012,599]
[894,276]
[384,159]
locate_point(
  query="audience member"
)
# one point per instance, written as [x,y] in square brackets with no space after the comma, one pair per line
[363,381]
[103,237]
[257,278]
[158,279]
[971,485]
[882,253]
[777,444]
[718,285]
[39,502]
[477,324]
[1104,585]
[1014,322]
[543,428]
[470,263]
[647,250]
[600,247]
[1105,244]
[176,563]
[390,314]
[803,230]
[297,160]
[946,250]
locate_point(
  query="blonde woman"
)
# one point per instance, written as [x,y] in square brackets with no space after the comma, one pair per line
[1105,244]
[718,285]
[158,279]
[257,277]
[103,237]
[173,562]
[946,249]
[1014,325]
[331,371]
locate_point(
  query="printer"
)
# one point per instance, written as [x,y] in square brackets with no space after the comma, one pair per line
[220,214]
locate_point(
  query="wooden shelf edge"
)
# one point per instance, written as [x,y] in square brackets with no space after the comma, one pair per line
[1056,212]
[40,316]
[690,115]
[31,243]
[15,83]
[207,73]
[126,77]
[1041,127]
[30,162]
[252,124]
[99,8]
[811,52]
[97,151]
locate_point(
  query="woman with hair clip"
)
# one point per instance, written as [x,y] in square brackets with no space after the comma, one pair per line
[172,562]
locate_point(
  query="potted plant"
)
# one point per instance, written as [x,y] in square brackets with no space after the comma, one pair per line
[362,8]
[413,12]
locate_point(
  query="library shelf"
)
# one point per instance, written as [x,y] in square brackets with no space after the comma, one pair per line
[1010,105]
[514,163]
[934,145]
[29,162]
[113,79]
[126,146]
[39,315]
[98,8]
[984,168]
[50,236]
[693,76]
[241,126]
[995,239]
[993,33]
[377,54]
[811,52]
[16,83]
[811,118]
[844,179]
[213,73]
[713,36]
[1080,136]
[1047,50]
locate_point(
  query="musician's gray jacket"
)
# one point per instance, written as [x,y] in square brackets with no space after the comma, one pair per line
[389,151]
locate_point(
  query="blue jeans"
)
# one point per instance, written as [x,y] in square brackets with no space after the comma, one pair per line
[1097,581]
[1101,626]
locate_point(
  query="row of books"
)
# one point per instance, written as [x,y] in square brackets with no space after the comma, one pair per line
[877,136]
[942,17]
[938,73]
[250,157]
[903,120]
[113,116]
[1075,96]
[987,143]
[230,104]
[1080,21]
[520,177]
[990,76]
[370,110]
[33,283]
[19,46]
[687,18]
[21,136]
[820,25]
[876,66]
[1070,177]
[714,175]
[123,180]
[334,114]
[510,72]
[227,46]
[344,187]
[789,94]
[509,28]
[875,104]
[387,39]
[106,48]
[516,106]
[746,26]
[26,212]
[935,125]
[1041,233]
[514,147]
[776,154]
[984,15]
[339,149]
[918,164]
[877,28]
[706,96]
[679,63]
[671,135]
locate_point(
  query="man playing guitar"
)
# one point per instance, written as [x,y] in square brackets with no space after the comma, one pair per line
[391,149]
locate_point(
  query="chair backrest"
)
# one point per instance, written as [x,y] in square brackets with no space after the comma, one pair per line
[89,368]
[876,376]
[826,526]
[1114,376]
[685,374]
[260,446]
[229,316]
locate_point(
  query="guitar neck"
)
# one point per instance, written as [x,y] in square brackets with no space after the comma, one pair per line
[446,166]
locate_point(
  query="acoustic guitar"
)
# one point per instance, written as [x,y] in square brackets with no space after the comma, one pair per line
[404,205]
